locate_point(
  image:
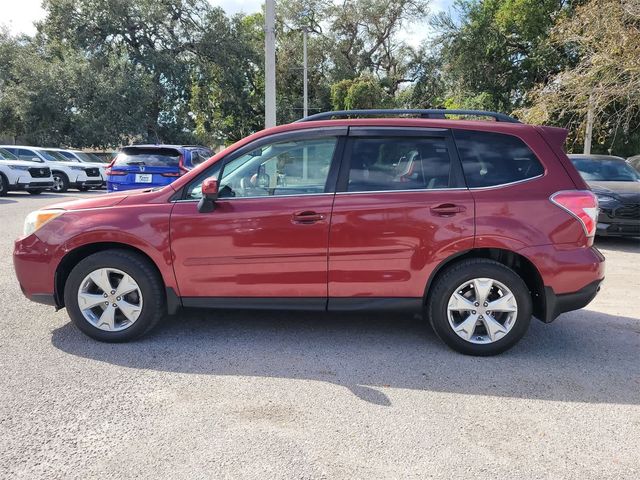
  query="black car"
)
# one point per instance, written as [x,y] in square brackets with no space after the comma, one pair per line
[617,186]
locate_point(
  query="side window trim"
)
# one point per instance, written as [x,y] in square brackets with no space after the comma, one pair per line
[339,133]
[456,175]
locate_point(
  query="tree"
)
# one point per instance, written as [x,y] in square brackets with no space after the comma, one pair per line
[605,78]
[496,50]
[361,93]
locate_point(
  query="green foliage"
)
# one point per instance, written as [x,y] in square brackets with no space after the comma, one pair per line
[106,73]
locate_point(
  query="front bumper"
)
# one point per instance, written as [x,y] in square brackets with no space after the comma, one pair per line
[90,183]
[35,266]
[34,185]
[621,221]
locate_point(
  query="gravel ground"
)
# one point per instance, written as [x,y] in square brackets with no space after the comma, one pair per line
[282,395]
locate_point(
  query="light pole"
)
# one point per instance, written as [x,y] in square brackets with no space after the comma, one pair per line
[305,73]
[270,64]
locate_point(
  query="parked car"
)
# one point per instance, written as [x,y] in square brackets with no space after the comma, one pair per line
[634,162]
[66,174]
[478,224]
[85,159]
[16,175]
[149,166]
[617,186]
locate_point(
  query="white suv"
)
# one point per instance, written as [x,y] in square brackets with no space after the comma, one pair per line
[66,174]
[17,175]
[81,157]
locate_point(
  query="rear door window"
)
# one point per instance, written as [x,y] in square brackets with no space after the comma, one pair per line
[149,157]
[490,159]
[398,163]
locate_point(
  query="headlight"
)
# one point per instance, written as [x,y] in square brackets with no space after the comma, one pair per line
[604,200]
[76,168]
[37,219]
[18,167]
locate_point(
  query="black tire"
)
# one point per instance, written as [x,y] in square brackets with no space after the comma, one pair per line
[63,182]
[4,186]
[145,275]
[444,286]
[35,192]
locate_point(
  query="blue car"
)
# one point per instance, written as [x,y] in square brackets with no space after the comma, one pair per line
[149,166]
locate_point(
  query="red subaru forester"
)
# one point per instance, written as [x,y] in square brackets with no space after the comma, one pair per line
[478,224]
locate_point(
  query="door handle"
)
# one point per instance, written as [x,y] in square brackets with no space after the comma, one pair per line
[447,210]
[307,217]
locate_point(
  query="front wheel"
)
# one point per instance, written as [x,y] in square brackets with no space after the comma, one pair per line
[4,186]
[480,307]
[115,296]
[60,182]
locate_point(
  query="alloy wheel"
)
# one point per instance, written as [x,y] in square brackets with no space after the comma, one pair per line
[482,311]
[110,299]
[58,183]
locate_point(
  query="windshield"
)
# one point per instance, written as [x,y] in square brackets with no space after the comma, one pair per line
[153,157]
[597,170]
[57,155]
[6,155]
[47,154]
[84,157]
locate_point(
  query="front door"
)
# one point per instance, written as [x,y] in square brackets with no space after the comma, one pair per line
[400,210]
[267,238]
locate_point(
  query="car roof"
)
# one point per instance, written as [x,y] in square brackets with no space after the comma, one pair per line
[578,156]
[162,145]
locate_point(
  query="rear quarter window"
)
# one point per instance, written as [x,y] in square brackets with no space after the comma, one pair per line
[490,159]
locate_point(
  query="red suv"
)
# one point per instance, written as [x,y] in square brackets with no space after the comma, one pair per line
[478,224]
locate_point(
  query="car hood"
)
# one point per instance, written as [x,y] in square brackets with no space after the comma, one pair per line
[103,201]
[627,191]
[21,163]
[93,164]
[139,196]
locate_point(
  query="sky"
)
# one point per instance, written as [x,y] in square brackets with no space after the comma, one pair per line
[19,15]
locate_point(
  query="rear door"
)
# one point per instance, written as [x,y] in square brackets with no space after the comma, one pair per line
[401,208]
[140,167]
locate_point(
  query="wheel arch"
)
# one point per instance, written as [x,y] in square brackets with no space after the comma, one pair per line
[517,262]
[79,253]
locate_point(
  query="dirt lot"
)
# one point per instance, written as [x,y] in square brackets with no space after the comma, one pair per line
[283,395]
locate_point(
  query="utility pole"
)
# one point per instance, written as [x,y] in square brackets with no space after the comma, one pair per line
[305,72]
[270,64]
[588,135]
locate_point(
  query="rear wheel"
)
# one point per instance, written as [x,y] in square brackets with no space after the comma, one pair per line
[4,186]
[480,307]
[60,182]
[114,296]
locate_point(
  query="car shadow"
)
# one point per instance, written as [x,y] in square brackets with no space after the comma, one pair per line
[5,200]
[584,357]
[619,244]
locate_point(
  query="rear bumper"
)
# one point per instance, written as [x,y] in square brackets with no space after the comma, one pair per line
[556,305]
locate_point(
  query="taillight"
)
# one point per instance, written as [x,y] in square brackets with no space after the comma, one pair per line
[582,204]
[110,171]
[172,174]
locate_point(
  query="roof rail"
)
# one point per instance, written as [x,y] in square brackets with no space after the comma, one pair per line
[429,113]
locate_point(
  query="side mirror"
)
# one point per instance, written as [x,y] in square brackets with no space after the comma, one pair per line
[209,196]
[35,159]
